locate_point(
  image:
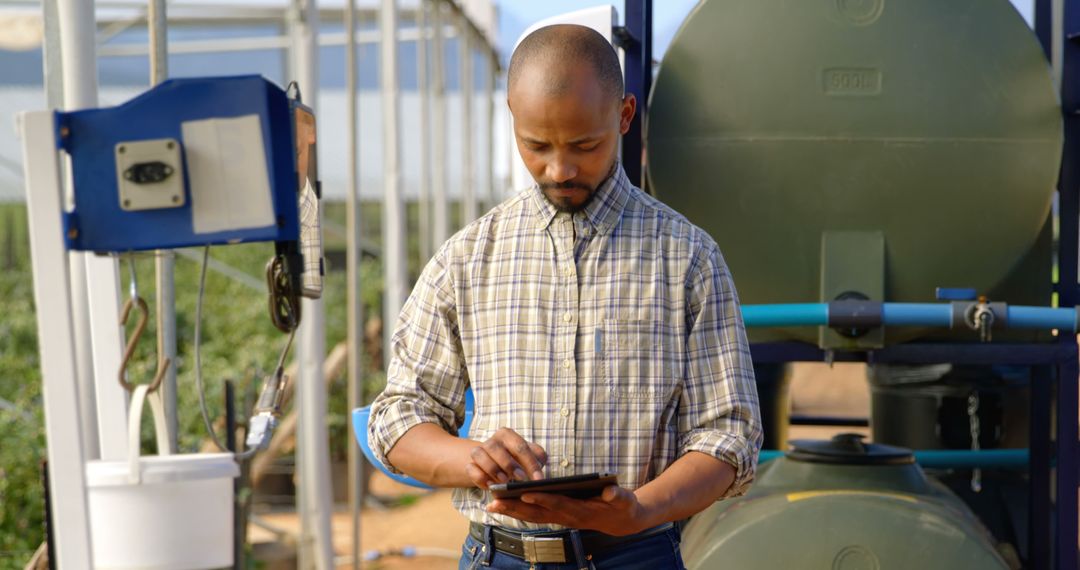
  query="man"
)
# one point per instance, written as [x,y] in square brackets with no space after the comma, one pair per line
[598,330]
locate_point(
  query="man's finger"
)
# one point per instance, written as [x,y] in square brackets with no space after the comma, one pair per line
[547,500]
[526,512]
[484,461]
[505,460]
[540,454]
[616,495]
[522,452]
[478,476]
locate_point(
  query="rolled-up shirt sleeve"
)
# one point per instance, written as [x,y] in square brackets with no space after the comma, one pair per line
[719,413]
[426,378]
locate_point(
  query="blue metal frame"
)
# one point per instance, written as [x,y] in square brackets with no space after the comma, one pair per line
[1059,357]
[638,51]
[90,136]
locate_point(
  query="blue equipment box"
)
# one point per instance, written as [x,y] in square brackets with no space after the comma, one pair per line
[206,180]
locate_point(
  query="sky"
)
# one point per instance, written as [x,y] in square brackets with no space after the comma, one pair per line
[516,15]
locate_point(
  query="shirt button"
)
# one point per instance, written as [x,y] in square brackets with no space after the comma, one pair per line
[566,364]
[568,317]
[565,412]
[565,463]
[568,272]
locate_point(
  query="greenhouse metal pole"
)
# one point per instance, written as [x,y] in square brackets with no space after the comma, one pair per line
[469,210]
[164,260]
[424,188]
[440,206]
[394,223]
[95,288]
[355,324]
[313,458]
[489,96]
[54,95]
[63,323]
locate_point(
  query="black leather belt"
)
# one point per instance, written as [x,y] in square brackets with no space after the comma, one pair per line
[555,546]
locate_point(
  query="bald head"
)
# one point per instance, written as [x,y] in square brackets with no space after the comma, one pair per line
[552,55]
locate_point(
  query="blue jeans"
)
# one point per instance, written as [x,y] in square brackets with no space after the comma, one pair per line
[659,552]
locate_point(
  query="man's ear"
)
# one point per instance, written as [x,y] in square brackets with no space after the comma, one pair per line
[626,113]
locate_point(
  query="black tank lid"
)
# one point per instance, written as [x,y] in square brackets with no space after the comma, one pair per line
[848,449]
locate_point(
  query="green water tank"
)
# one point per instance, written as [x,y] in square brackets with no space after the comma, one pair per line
[884,147]
[845,505]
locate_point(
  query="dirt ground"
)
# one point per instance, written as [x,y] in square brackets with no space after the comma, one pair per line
[431,524]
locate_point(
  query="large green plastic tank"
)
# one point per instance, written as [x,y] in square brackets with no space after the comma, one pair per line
[842,505]
[929,125]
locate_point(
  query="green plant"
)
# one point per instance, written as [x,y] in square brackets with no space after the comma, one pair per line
[238,343]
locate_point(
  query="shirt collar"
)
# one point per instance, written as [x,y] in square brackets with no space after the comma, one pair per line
[602,212]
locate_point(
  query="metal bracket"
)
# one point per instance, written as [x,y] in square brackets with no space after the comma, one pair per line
[622,37]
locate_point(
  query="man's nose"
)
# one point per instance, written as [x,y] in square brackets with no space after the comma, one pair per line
[560,169]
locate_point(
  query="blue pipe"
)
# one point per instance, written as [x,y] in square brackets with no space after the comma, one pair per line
[904,314]
[917,314]
[1042,318]
[953,458]
[788,315]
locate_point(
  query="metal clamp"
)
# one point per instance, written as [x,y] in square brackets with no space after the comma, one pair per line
[543,549]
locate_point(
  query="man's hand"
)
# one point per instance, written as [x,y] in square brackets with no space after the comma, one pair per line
[504,457]
[616,512]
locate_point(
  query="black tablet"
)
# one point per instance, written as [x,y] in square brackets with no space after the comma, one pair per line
[575,486]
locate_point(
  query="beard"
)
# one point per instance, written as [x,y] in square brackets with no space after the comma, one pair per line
[563,203]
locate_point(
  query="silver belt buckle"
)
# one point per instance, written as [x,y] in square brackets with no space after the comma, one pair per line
[543,549]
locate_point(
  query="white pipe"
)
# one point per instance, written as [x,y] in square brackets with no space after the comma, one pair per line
[94,281]
[440,207]
[164,260]
[79,88]
[393,222]
[355,326]
[469,209]
[257,44]
[489,97]
[423,200]
[54,95]
[56,335]
[316,548]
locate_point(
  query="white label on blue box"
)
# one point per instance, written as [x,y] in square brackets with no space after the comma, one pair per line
[230,183]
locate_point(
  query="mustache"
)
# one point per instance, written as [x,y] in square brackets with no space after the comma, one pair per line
[564,186]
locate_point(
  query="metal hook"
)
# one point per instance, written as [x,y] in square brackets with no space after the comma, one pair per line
[129,349]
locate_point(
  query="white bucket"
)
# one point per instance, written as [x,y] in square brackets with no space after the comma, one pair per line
[165,512]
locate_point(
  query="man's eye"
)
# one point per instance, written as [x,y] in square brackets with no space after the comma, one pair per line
[588,148]
[537,147]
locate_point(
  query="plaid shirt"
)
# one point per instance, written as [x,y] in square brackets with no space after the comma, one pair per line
[612,338]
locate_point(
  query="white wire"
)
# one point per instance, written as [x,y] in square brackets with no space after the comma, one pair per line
[198,363]
[198,352]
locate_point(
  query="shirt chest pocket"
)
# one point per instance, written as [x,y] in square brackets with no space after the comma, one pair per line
[638,359]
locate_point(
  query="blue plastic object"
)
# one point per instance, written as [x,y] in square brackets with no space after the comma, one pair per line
[956,294]
[917,314]
[361,416]
[793,314]
[1042,317]
[90,137]
[953,458]
[905,314]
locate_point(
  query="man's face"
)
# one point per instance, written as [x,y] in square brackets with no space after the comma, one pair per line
[569,142]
